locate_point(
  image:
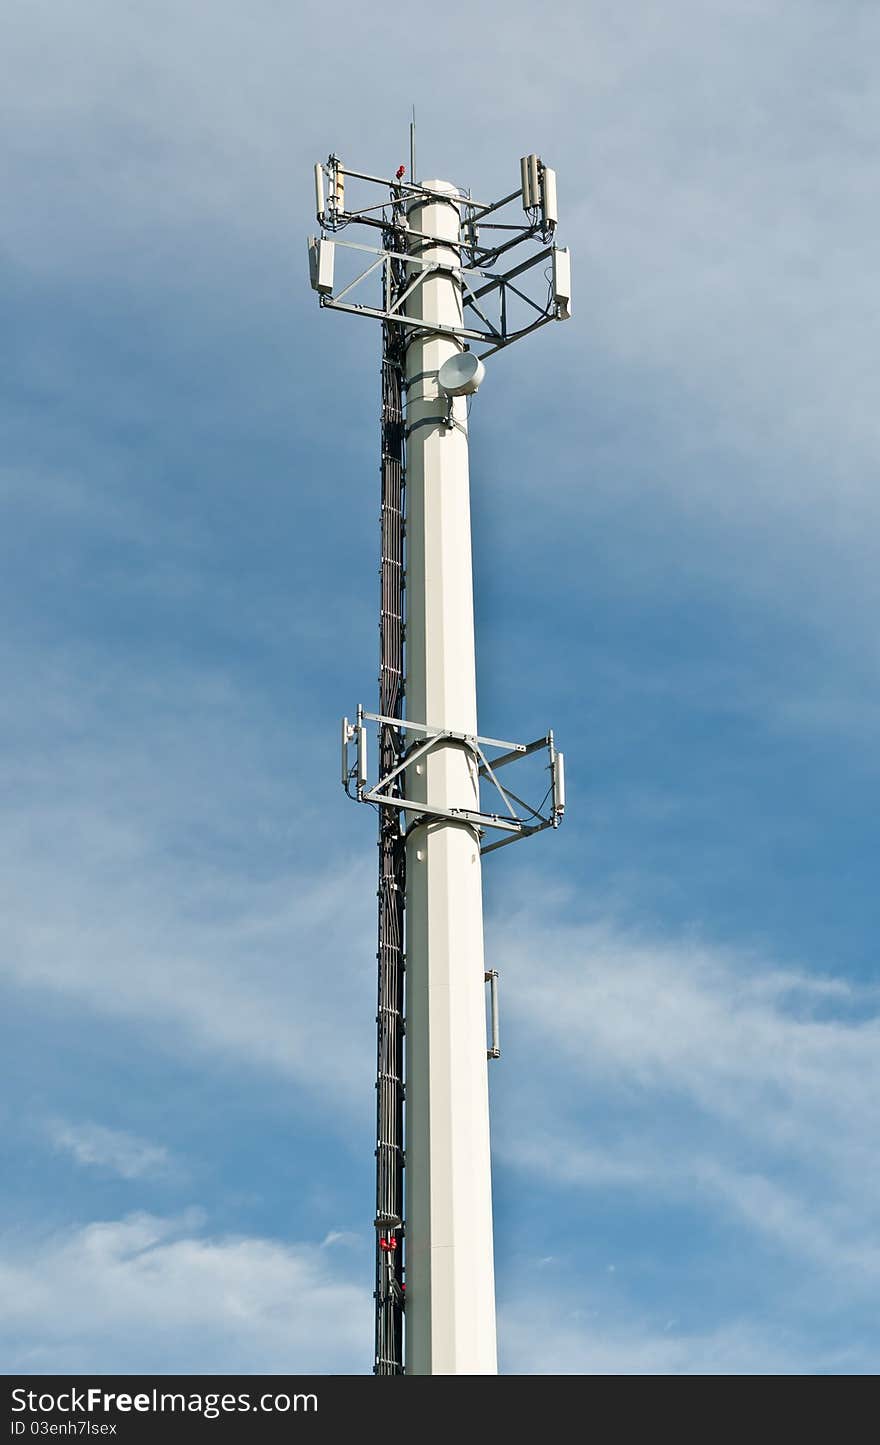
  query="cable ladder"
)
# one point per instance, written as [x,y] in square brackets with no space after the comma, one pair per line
[389,1294]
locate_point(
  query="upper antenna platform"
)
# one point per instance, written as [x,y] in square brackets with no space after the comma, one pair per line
[501,302]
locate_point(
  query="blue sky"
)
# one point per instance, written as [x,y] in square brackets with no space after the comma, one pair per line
[676,543]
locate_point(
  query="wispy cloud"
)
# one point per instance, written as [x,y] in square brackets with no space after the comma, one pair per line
[113,1149]
[700,1074]
[147,1293]
[557,1336]
[227,947]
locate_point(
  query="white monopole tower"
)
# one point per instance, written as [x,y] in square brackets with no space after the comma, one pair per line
[440,265]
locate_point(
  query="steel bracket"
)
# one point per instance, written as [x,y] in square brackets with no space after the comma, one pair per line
[519,821]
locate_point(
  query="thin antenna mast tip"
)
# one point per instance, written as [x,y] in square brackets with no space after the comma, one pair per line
[412,147]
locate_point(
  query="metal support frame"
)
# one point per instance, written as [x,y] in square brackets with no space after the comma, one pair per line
[386,792]
[481,330]
[494,337]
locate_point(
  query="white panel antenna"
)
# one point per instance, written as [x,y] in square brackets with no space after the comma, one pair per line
[526,183]
[562,282]
[548,197]
[321,264]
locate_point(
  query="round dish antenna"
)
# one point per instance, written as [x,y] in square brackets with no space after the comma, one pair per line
[461,374]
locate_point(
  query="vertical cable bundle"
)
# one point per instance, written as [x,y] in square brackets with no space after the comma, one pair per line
[392,863]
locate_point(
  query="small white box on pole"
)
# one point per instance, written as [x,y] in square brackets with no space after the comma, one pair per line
[321,262]
[562,282]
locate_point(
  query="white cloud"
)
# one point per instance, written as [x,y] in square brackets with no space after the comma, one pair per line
[692,1073]
[248,984]
[239,943]
[154,1294]
[743,1039]
[540,1336]
[123,1153]
[342,1238]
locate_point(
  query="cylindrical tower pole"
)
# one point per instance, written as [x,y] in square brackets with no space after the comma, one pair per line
[450,1288]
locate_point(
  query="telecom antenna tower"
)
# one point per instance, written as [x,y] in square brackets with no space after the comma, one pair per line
[447,279]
